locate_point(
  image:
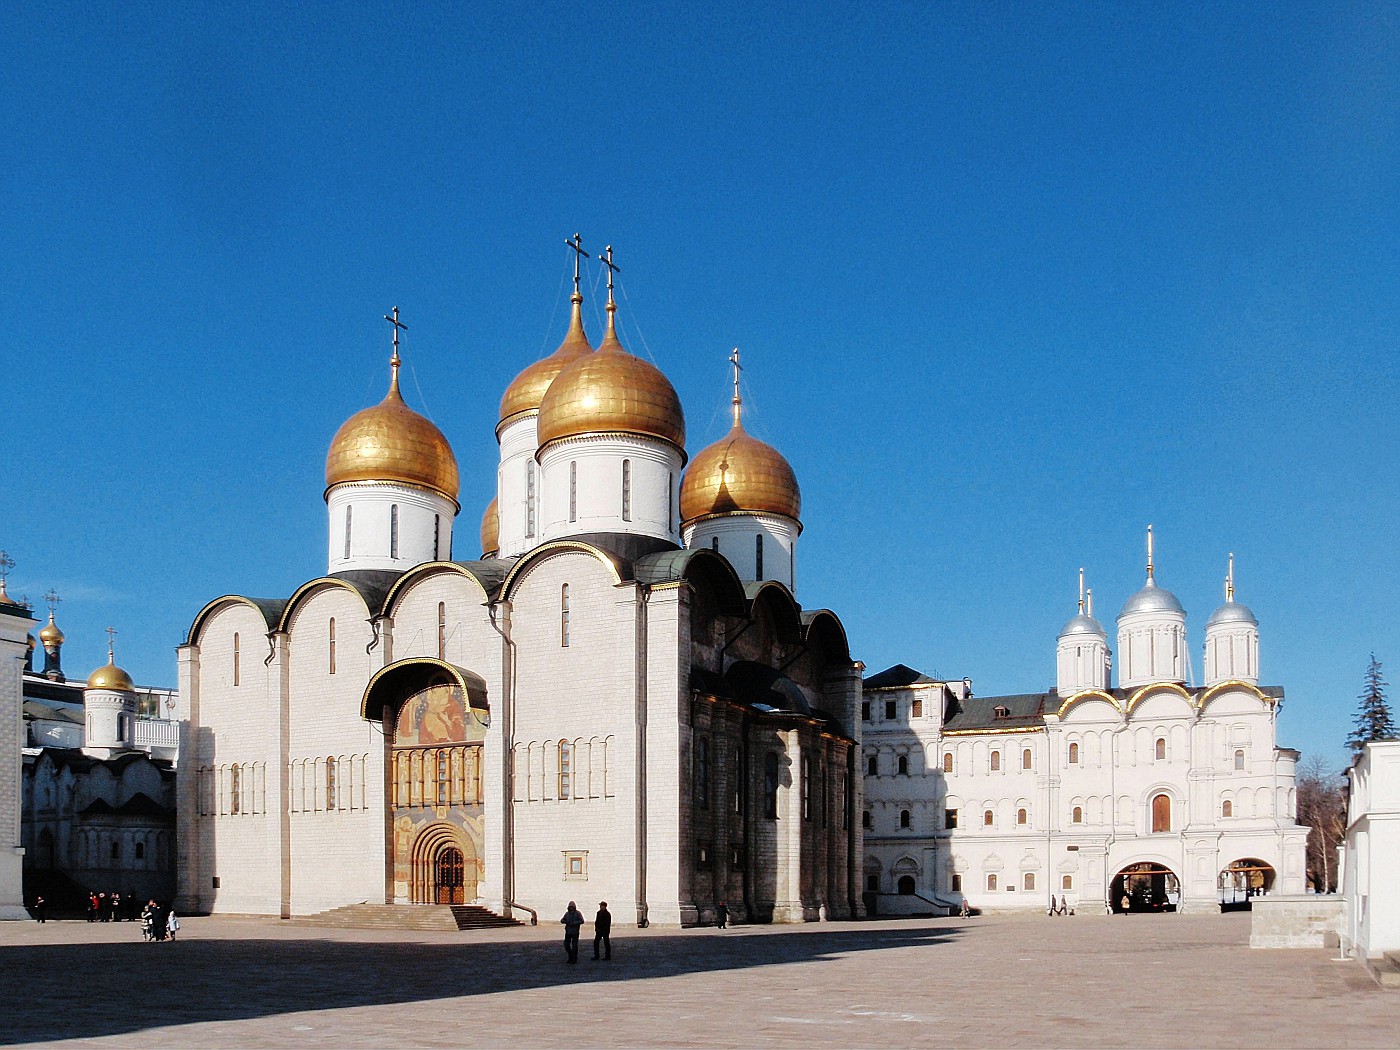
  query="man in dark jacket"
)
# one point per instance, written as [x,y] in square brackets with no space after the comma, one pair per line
[602,928]
[572,920]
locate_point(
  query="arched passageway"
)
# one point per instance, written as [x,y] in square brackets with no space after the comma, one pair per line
[1145,887]
[1243,880]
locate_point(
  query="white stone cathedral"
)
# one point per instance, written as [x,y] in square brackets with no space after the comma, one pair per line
[620,700]
[1156,795]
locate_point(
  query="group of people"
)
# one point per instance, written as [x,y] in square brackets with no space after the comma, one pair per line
[111,907]
[573,921]
[1060,908]
[157,923]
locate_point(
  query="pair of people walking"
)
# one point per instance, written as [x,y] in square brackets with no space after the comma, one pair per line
[573,921]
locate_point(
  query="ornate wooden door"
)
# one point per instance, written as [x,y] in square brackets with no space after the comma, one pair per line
[447,879]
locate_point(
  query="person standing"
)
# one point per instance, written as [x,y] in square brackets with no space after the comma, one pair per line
[92,907]
[115,903]
[172,924]
[39,907]
[572,920]
[721,915]
[602,932]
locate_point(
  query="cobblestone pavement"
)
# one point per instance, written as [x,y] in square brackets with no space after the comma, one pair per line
[1160,980]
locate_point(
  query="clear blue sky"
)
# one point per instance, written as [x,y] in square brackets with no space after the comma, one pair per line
[1011,282]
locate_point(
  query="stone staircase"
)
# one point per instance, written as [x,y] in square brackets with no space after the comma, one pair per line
[427,917]
[1385,969]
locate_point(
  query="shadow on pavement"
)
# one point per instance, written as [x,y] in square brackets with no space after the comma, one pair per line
[131,987]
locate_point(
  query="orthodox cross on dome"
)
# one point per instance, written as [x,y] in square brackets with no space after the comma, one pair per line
[6,564]
[53,599]
[1230,579]
[394,361]
[606,260]
[111,644]
[1149,553]
[1081,589]
[579,255]
[734,360]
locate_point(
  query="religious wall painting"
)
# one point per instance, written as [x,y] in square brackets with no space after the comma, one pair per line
[438,714]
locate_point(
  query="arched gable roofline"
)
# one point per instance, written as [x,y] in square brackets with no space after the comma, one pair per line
[1089,694]
[422,572]
[549,550]
[702,568]
[1158,687]
[823,629]
[784,610]
[415,672]
[269,608]
[306,590]
[1230,686]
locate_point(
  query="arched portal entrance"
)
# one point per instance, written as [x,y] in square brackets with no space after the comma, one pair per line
[1243,880]
[1145,887]
[445,868]
[447,877]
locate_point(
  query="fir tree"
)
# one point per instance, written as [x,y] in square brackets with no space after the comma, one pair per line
[1373,721]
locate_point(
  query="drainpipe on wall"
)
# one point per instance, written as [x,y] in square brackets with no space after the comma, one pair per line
[495,611]
[640,674]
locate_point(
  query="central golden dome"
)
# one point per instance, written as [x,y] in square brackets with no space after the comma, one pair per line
[391,442]
[527,390]
[611,391]
[490,529]
[737,474]
[50,634]
[111,677]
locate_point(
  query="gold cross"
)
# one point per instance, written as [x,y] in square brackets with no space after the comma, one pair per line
[606,260]
[53,599]
[734,360]
[111,643]
[579,255]
[394,320]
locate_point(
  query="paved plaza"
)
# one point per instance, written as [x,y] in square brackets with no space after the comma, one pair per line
[1159,980]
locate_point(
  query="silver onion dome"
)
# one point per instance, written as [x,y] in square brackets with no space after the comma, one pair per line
[1152,599]
[1232,612]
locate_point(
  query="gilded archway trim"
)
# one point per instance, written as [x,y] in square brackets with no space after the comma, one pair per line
[270,609]
[1089,694]
[473,685]
[307,590]
[1152,688]
[422,572]
[555,547]
[1234,685]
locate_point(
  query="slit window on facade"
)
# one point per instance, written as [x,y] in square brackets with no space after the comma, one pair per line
[865,710]
[347,531]
[950,819]
[770,786]
[331,793]
[947,761]
[992,883]
[394,530]
[1161,752]
[890,710]
[1067,882]
[330,647]
[988,818]
[905,820]
[1074,754]
[806,788]
[1227,808]
[437,535]
[1239,759]
[845,803]
[1026,759]
[235,658]
[670,501]
[738,782]
[758,556]
[530,498]
[996,761]
[702,773]
[865,820]
[235,785]
[872,766]
[1077,815]
[955,882]
[1022,817]
[566,754]
[1028,881]
[916,708]
[903,765]
[626,490]
[442,631]
[564,615]
[573,492]
[714,544]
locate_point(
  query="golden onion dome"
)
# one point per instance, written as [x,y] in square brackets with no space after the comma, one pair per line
[611,391]
[49,634]
[391,442]
[527,390]
[738,474]
[111,677]
[490,529]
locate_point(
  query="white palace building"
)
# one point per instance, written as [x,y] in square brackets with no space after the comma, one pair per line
[1155,795]
[619,700]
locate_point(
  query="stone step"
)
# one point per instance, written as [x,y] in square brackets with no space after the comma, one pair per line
[423,917]
[1385,969]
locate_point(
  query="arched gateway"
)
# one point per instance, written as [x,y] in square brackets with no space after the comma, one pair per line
[434,716]
[1145,887]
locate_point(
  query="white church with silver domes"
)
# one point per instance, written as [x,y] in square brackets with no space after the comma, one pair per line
[621,699]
